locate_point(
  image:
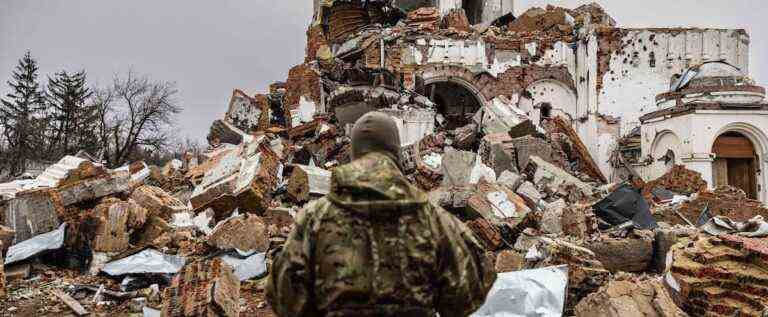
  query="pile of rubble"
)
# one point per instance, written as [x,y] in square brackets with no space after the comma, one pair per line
[197,236]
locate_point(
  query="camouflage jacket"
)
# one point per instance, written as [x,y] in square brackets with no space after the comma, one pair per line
[376,247]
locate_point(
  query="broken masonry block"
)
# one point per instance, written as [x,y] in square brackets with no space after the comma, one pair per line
[93,188]
[116,221]
[631,254]
[246,233]
[531,194]
[205,288]
[68,170]
[225,132]
[509,261]
[494,202]
[555,180]
[152,229]
[723,275]
[157,201]
[33,213]
[488,234]
[456,19]
[306,181]
[424,19]
[552,217]
[528,146]
[6,238]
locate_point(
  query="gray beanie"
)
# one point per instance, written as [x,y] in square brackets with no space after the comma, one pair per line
[376,132]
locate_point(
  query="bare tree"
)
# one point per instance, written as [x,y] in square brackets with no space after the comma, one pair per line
[136,117]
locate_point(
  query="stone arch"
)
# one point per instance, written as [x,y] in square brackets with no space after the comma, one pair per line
[759,143]
[455,74]
[666,151]
[754,134]
[664,141]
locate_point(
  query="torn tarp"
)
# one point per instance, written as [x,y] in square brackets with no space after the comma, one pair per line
[247,267]
[539,292]
[753,228]
[26,249]
[145,262]
[625,204]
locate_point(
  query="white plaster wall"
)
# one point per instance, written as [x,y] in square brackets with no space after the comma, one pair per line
[631,85]
[697,133]
[493,9]
[413,124]
[562,98]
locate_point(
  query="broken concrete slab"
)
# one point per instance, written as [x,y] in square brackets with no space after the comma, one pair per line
[247,233]
[93,188]
[33,213]
[157,201]
[205,288]
[498,152]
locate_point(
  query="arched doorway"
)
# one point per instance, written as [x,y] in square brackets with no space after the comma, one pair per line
[736,163]
[454,101]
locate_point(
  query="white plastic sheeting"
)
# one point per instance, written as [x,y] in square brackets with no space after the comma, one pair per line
[28,248]
[249,267]
[146,262]
[529,293]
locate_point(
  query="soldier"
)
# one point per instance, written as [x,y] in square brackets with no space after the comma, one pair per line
[375,246]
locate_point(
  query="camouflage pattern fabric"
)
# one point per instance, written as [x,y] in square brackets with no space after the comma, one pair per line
[376,247]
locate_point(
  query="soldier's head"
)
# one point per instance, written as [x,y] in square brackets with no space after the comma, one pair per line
[376,132]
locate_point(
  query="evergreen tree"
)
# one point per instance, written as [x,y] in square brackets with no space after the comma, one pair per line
[72,119]
[20,117]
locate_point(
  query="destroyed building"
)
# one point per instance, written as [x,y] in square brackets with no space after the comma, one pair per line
[593,157]
[444,61]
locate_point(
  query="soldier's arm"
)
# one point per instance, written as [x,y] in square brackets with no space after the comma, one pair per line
[290,289]
[466,275]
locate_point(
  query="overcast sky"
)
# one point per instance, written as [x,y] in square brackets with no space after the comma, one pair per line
[211,47]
